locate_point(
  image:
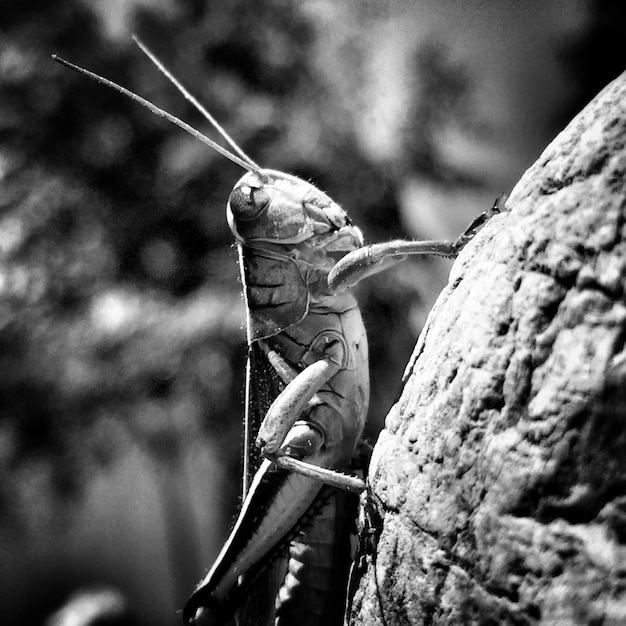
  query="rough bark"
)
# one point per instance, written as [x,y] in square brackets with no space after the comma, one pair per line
[500,477]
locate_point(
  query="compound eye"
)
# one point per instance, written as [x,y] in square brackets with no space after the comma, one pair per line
[246,203]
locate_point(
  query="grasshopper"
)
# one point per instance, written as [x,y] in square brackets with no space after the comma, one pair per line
[287,558]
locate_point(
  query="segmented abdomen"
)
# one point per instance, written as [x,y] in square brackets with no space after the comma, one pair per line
[314,590]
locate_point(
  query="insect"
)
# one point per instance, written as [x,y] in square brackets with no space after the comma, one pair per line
[287,558]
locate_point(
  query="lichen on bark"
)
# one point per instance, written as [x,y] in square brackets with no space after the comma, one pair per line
[500,476]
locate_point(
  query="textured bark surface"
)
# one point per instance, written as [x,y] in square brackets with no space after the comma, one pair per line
[501,471]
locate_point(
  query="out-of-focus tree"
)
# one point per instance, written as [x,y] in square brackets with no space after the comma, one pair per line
[122,323]
[441,89]
[595,57]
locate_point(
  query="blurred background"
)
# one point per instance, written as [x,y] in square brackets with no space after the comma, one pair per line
[122,342]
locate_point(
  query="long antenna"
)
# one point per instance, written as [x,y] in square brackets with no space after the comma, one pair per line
[164,114]
[190,98]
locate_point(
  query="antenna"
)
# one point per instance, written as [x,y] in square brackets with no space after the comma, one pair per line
[190,98]
[246,165]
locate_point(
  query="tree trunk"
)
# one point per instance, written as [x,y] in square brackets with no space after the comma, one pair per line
[500,477]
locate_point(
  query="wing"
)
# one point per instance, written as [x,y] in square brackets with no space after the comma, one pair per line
[263,385]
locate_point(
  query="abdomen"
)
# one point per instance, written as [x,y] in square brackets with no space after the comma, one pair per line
[315,587]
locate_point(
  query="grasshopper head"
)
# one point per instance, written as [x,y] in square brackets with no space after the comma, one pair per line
[286,210]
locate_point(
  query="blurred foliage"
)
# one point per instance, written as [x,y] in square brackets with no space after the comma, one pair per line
[448,87]
[93,607]
[121,317]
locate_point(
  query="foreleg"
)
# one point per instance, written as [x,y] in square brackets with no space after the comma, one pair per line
[375,258]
